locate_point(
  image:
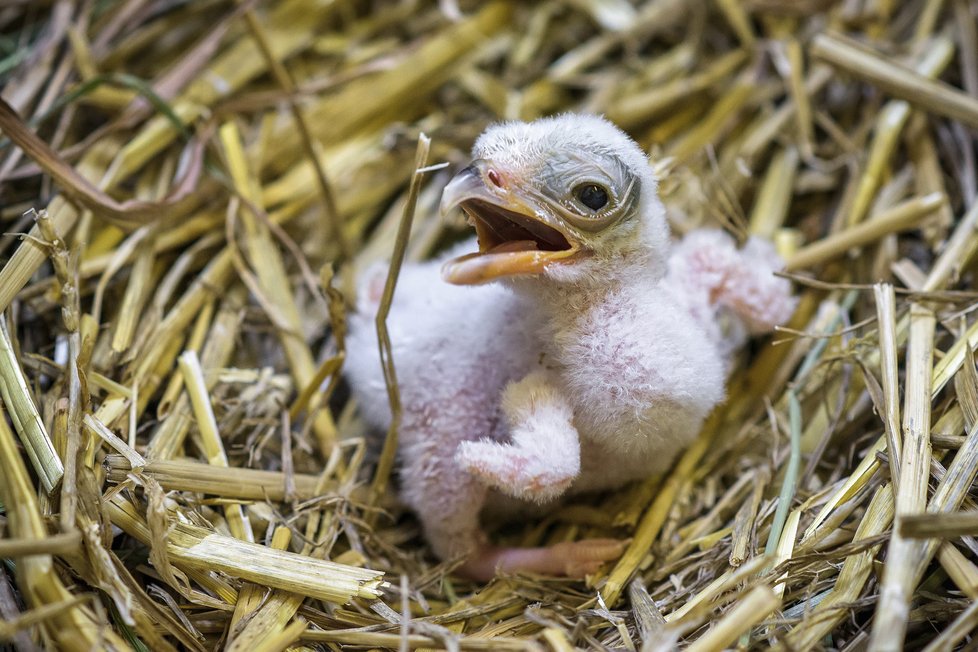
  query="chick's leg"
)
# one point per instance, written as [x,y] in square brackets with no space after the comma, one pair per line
[446,498]
[448,489]
[449,500]
[570,559]
[544,455]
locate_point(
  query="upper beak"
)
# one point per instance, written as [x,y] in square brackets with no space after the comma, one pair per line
[517,235]
[467,184]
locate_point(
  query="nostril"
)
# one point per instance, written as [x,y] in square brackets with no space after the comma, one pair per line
[494,178]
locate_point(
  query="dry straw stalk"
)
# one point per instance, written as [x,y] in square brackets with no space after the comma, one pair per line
[181,465]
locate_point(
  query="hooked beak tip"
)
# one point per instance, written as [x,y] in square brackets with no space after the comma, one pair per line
[467,184]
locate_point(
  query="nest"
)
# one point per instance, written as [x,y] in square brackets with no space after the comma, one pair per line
[189,191]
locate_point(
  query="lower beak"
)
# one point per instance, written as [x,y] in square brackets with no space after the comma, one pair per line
[516,236]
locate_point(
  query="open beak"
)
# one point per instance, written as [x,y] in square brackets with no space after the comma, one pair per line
[516,237]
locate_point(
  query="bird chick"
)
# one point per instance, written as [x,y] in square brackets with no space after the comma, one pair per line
[575,350]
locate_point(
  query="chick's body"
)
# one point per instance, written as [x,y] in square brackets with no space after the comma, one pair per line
[581,377]
[457,348]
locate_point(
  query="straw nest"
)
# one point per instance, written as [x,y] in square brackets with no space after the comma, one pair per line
[180,466]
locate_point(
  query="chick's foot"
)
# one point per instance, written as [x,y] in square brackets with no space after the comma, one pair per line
[568,559]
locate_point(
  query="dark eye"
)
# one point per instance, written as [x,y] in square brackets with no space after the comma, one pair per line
[592,195]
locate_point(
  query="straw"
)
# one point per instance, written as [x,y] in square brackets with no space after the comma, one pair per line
[893,608]
[191,196]
[897,80]
[25,416]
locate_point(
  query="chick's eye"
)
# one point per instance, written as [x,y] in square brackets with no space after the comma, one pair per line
[592,195]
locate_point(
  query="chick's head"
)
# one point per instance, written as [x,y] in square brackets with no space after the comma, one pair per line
[563,198]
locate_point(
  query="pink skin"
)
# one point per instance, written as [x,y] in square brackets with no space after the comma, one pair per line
[591,375]
[568,559]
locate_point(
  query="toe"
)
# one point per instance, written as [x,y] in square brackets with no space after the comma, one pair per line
[580,570]
[582,558]
[591,549]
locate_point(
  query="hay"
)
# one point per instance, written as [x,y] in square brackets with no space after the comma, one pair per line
[191,189]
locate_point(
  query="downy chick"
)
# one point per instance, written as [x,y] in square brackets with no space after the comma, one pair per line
[577,349]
